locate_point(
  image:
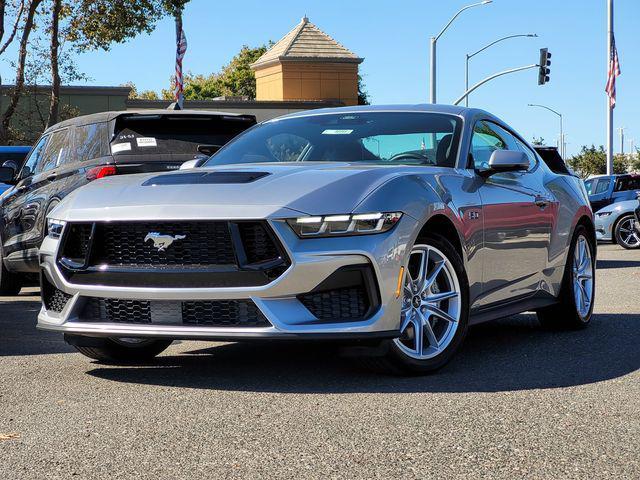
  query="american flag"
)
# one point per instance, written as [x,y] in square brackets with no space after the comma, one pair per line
[180,51]
[614,71]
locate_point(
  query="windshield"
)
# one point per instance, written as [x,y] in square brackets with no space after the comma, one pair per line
[371,137]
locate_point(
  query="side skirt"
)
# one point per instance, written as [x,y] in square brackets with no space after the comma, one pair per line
[513,307]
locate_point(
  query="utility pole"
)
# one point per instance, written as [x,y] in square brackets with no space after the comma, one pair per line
[561,144]
[609,107]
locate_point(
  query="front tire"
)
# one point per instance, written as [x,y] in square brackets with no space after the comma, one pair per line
[626,234]
[575,303]
[435,311]
[10,283]
[119,351]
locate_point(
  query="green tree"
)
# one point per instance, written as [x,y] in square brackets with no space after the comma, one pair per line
[593,161]
[363,94]
[538,141]
[143,95]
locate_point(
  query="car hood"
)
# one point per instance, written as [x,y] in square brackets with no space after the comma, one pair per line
[239,191]
[621,207]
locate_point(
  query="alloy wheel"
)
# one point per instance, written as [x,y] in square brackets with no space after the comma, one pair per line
[431,304]
[628,233]
[583,277]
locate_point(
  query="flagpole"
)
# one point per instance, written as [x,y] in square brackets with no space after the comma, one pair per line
[609,107]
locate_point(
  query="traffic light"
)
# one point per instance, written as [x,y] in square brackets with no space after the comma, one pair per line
[545,62]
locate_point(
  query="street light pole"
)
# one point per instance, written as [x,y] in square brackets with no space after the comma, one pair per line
[561,143]
[434,40]
[491,77]
[470,56]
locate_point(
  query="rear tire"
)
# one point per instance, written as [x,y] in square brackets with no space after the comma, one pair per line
[575,306]
[626,234]
[446,296]
[119,351]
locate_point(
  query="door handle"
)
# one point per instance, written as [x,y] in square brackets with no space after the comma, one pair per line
[51,177]
[542,202]
[21,188]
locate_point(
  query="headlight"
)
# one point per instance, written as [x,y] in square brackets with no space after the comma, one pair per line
[341,225]
[55,227]
[603,214]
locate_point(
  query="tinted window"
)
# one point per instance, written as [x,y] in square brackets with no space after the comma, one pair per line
[35,158]
[602,186]
[371,137]
[56,152]
[154,134]
[627,183]
[527,151]
[90,142]
[487,138]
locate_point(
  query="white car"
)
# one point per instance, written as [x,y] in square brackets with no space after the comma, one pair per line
[616,223]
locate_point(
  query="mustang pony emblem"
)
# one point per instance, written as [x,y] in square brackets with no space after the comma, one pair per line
[161,242]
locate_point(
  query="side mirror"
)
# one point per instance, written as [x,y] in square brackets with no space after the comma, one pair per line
[7,174]
[195,163]
[209,149]
[506,161]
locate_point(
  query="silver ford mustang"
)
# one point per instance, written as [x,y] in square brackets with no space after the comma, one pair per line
[389,228]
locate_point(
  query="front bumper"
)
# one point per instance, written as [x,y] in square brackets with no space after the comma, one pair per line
[313,261]
[604,228]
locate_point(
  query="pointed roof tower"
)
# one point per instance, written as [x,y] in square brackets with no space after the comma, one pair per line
[306,42]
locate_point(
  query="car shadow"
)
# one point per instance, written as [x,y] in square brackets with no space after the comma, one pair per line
[507,355]
[617,264]
[18,334]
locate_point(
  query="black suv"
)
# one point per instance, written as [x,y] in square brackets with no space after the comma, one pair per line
[77,151]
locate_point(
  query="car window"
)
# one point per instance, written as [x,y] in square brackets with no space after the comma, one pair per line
[588,185]
[602,186]
[533,160]
[35,158]
[90,142]
[627,183]
[56,151]
[368,137]
[487,138]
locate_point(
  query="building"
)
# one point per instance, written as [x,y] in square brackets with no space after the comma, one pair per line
[306,69]
[307,64]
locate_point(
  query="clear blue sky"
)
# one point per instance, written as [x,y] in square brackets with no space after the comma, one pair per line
[393,37]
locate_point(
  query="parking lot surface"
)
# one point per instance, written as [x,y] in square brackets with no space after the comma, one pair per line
[516,401]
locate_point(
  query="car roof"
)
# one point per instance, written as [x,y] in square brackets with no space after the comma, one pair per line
[15,149]
[425,107]
[102,117]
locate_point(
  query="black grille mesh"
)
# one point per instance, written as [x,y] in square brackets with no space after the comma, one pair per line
[223,313]
[117,311]
[217,313]
[205,243]
[340,304]
[77,241]
[54,300]
[258,245]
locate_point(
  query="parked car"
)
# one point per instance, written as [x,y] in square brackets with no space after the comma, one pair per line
[616,223]
[604,190]
[12,157]
[77,151]
[395,227]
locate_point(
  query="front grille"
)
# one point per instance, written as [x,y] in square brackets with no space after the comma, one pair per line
[129,244]
[339,304]
[215,313]
[223,313]
[258,244]
[54,300]
[76,244]
[117,311]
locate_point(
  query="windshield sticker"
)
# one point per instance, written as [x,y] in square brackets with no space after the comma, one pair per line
[146,142]
[120,147]
[337,132]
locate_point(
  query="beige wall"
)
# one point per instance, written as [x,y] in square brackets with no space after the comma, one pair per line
[308,81]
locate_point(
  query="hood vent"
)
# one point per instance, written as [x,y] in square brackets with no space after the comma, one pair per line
[205,178]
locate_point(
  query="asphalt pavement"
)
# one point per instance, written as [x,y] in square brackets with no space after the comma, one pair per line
[517,401]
